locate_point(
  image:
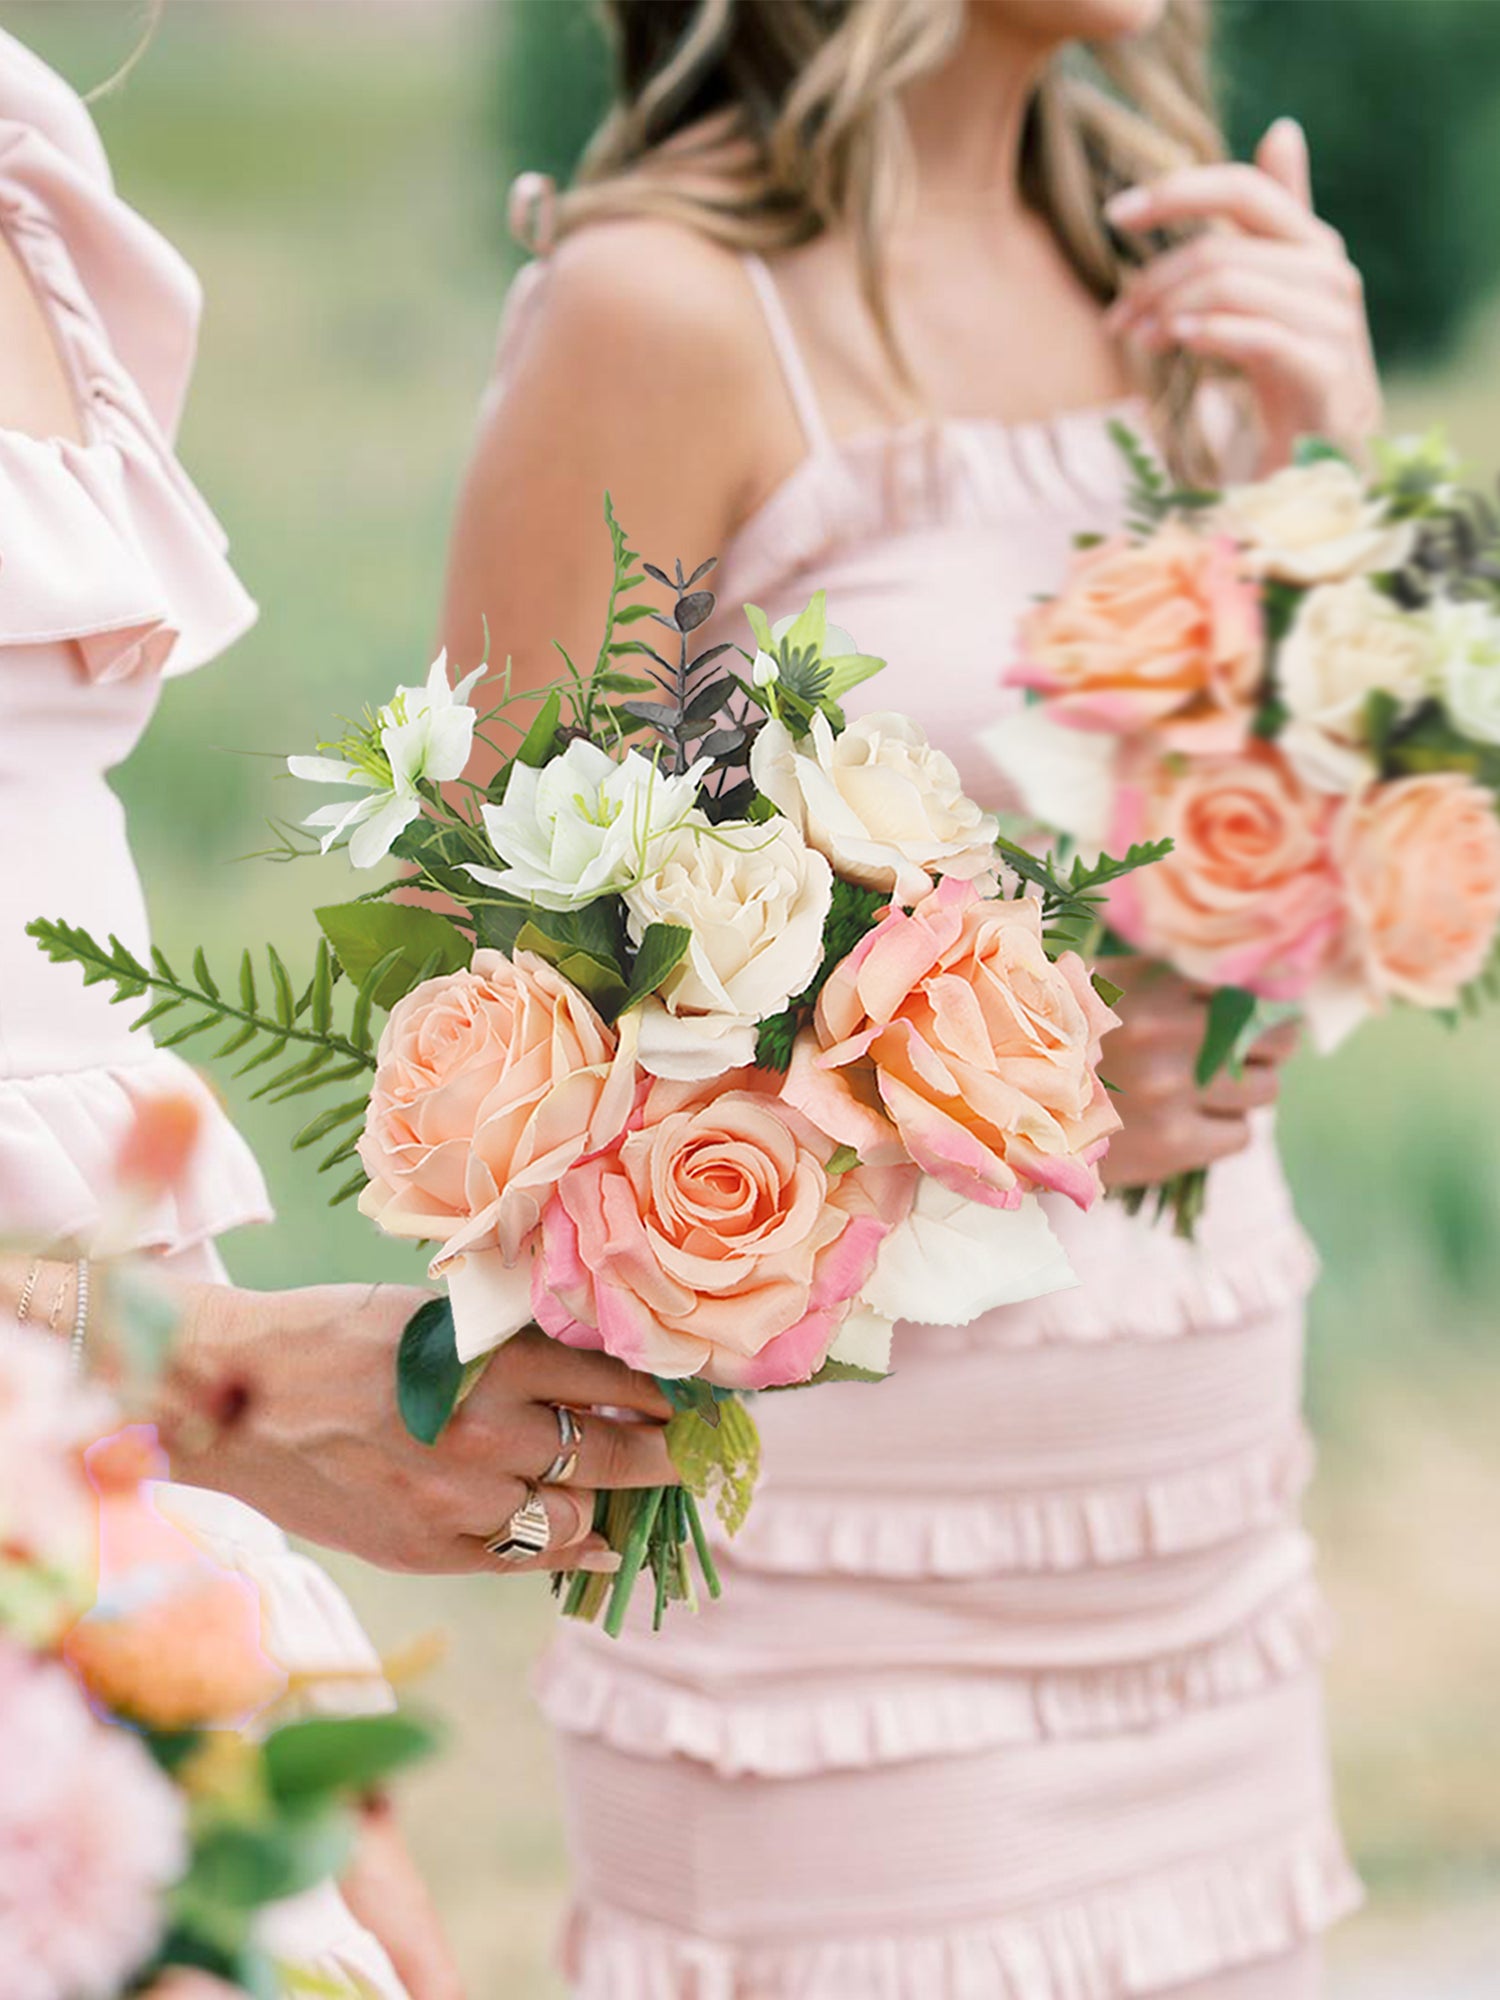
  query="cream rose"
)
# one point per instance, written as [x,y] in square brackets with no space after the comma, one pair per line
[1466,638]
[755,899]
[1313,524]
[1348,642]
[884,806]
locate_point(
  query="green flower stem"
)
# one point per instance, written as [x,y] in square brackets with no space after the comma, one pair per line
[700,1545]
[647,1507]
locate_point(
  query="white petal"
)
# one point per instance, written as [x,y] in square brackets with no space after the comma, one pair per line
[369,846]
[864,1340]
[1334,1007]
[953,1259]
[689,1048]
[491,1299]
[340,818]
[1065,778]
[329,771]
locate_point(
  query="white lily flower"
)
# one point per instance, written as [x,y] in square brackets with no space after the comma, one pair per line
[583,826]
[422,736]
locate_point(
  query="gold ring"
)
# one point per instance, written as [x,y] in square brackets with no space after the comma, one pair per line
[525,1535]
[569,1445]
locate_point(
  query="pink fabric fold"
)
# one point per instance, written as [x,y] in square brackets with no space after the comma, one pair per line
[60,1139]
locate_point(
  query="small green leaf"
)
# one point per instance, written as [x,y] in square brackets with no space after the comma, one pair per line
[307,1762]
[597,977]
[841,1160]
[202,974]
[320,999]
[1107,990]
[1316,450]
[403,937]
[429,1374]
[286,1003]
[537,744]
[847,670]
[661,950]
[1230,1012]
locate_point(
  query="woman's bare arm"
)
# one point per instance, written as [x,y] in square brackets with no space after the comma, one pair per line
[641,368]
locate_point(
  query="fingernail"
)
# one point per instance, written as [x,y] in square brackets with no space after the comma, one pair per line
[1128,207]
[600,1562]
[1185,326]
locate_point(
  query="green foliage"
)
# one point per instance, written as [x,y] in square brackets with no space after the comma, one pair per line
[1231,1010]
[429,1374]
[851,913]
[661,950]
[1073,902]
[718,1461]
[305,1761]
[322,1055]
[412,943]
[1152,496]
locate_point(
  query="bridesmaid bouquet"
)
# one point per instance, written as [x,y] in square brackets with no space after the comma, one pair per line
[153,1803]
[734,1041]
[1297,683]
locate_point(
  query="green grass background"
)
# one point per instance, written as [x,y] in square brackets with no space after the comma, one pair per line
[331,172]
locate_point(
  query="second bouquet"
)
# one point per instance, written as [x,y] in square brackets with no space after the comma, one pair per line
[725,1040]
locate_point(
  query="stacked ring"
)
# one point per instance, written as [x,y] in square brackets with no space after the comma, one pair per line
[569,1445]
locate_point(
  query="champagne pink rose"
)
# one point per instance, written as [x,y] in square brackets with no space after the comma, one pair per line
[491,1084]
[1249,895]
[712,1240]
[1421,858]
[1163,635]
[949,1037]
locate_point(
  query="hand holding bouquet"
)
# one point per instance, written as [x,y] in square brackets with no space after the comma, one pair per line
[735,1042]
[1297,683]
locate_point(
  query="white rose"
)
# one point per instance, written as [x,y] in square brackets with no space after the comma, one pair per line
[582,826]
[755,899]
[1348,642]
[1468,670]
[1314,524]
[883,805]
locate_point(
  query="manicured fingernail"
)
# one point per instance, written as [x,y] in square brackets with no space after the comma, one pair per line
[1186,326]
[600,1562]
[1128,207]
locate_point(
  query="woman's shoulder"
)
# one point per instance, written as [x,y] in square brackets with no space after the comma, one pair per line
[650,293]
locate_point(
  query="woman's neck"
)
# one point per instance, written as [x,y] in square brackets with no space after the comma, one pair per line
[966,120]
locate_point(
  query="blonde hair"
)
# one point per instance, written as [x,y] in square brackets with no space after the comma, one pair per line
[154,10]
[763,123]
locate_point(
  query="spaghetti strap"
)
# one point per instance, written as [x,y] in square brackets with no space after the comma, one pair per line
[788,353]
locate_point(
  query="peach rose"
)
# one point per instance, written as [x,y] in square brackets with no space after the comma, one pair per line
[1145,634]
[949,1037]
[491,1084]
[1249,895]
[1421,860]
[713,1240]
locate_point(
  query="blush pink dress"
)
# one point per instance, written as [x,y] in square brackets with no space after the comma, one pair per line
[112,576]
[1014,1690]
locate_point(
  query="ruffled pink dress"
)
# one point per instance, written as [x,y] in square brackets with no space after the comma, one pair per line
[1014,1690]
[112,577]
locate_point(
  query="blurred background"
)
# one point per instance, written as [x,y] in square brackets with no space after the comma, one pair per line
[336,170]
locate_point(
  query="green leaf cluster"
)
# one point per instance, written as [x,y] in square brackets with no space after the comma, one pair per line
[283,1825]
[1073,901]
[1152,496]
